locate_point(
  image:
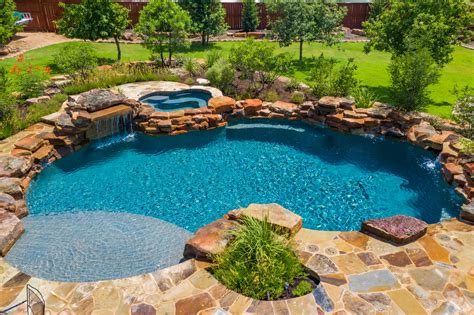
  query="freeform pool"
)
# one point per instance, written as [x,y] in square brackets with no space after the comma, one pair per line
[333,180]
[171,101]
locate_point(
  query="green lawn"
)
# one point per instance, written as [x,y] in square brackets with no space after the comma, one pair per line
[372,69]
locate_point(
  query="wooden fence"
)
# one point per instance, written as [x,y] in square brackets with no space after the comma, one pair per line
[45,12]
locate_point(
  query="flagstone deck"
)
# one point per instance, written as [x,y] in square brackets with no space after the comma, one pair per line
[360,274]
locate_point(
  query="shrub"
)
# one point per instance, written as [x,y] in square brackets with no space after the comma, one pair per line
[271,96]
[7,21]
[3,80]
[191,66]
[250,16]
[411,74]
[257,62]
[27,79]
[463,111]
[467,146]
[258,262]
[364,98]
[212,58]
[222,75]
[293,85]
[76,57]
[297,97]
[36,111]
[7,112]
[328,80]
[304,287]
[189,81]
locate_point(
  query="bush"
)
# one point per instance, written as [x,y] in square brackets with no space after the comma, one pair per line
[7,113]
[329,80]
[304,287]
[27,79]
[189,81]
[467,146]
[258,262]
[463,111]
[411,74]
[297,97]
[271,96]
[212,58]
[293,85]
[7,21]
[3,80]
[76,58]
[250,16]
[222,75]
[363,97]
[191,66]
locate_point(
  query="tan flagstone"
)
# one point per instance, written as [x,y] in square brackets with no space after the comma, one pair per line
[349,264]
[407,302]
[434,250]
[305,305]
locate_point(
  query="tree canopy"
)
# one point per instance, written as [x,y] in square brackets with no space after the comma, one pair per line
[303,21]
[163,25]
[250,16]
[208,17]
[93,20]
[7,21]
[434,24]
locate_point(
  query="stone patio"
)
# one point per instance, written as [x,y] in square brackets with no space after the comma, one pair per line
[360,275]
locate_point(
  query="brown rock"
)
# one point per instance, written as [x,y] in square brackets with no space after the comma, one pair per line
[81,119]
[210,239]
[369,258]
[398,229]
[467,212]
[11,186]
[329,102]
[436,141]
[448,151]
[221,104]
[11,229]
[379,111]
[160,115]
[419,257]
[321,265]
[450,170]
[12,166]
[194,304]
[353,122]
[399,259]
[176,114]
[7,203]
[43,154]
[418,133]
[276,215]
[95,100]
[283,108]
[30,142]
[252,106]
[336,279]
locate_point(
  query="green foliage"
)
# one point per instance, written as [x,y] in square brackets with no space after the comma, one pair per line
[7,21]
[163,25]
[257,62]
[221,75]
[271,96]
[377,7]
[293,85]
[411,74]
[463,111]
[120,74]
[75,58]
[192,66]
[189,81]
[433,24]
[467,146]
[212,57]
[327,79]
[304,21]
[93,20]
[297,97]
[36,111]
[363,97]
[28,80]
[250,19]
[303,288]
[7,112]
[3,80]
[208,17]
[258,262]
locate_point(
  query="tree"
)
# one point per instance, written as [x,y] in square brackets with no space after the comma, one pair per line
[163,25]
[305,20]
[377,7]
[7,21]
[250,16]
[77,59]
[434,24]
[93,20]
[208,17]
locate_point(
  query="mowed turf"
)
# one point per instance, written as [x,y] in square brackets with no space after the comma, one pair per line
[372,68]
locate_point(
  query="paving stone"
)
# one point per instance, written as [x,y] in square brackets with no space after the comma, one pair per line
[369,258]
[407,302]
[426,298]
[356,239]
[399,229]
[11,228]
[336,279]
[446,308]
[435,251]
[321,265]
[280,308]
[399,259]
[430,279]
[349,264]
[142,309]
[377,280]
[419,257]
[454,294]
[380,301]
[31,143]
[260,307]
[305,305]
[322,299]
[356,305]
[195,303]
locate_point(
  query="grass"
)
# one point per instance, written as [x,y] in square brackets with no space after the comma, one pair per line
[372,68]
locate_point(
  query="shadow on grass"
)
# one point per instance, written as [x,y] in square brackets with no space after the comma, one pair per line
[198,47]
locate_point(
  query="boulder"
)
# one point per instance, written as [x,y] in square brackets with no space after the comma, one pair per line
[252,106]
[450,170]
[65,125]
[7,203]
[221,104]
[419,133]
[399,229]
[37,100]
[31,143]
[467,212]
[379,110]
[95,100]
[284,108]
[436,141]
[210,239]
[11,186]
[329,103]
[13,166]
[202,81]
[11,228]
[275,215]
[81,119]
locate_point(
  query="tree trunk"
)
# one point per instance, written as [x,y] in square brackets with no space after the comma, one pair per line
[162,55]
[301,49]
[119,51]
[203,38]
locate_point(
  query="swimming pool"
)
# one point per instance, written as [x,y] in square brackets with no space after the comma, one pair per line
[171,101]
[333,180]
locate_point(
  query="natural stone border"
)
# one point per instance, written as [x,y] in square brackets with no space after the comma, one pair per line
[40,148]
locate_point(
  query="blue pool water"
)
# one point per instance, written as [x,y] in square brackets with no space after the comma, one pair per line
[171,101]
[334,181]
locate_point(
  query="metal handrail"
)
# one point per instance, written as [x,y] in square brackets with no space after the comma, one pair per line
[30,308]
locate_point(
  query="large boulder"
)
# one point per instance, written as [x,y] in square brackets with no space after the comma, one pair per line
[273,213]
[11,229]
[95,100]
[221,104]
[31,143]
[379,111]
[7,203]
[252,106]
[467,212]
[210,240]
[421,132]
[399,229]
[12,166]
[284,108]
[11,186]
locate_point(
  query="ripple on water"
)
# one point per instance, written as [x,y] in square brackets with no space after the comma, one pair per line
[90,246]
